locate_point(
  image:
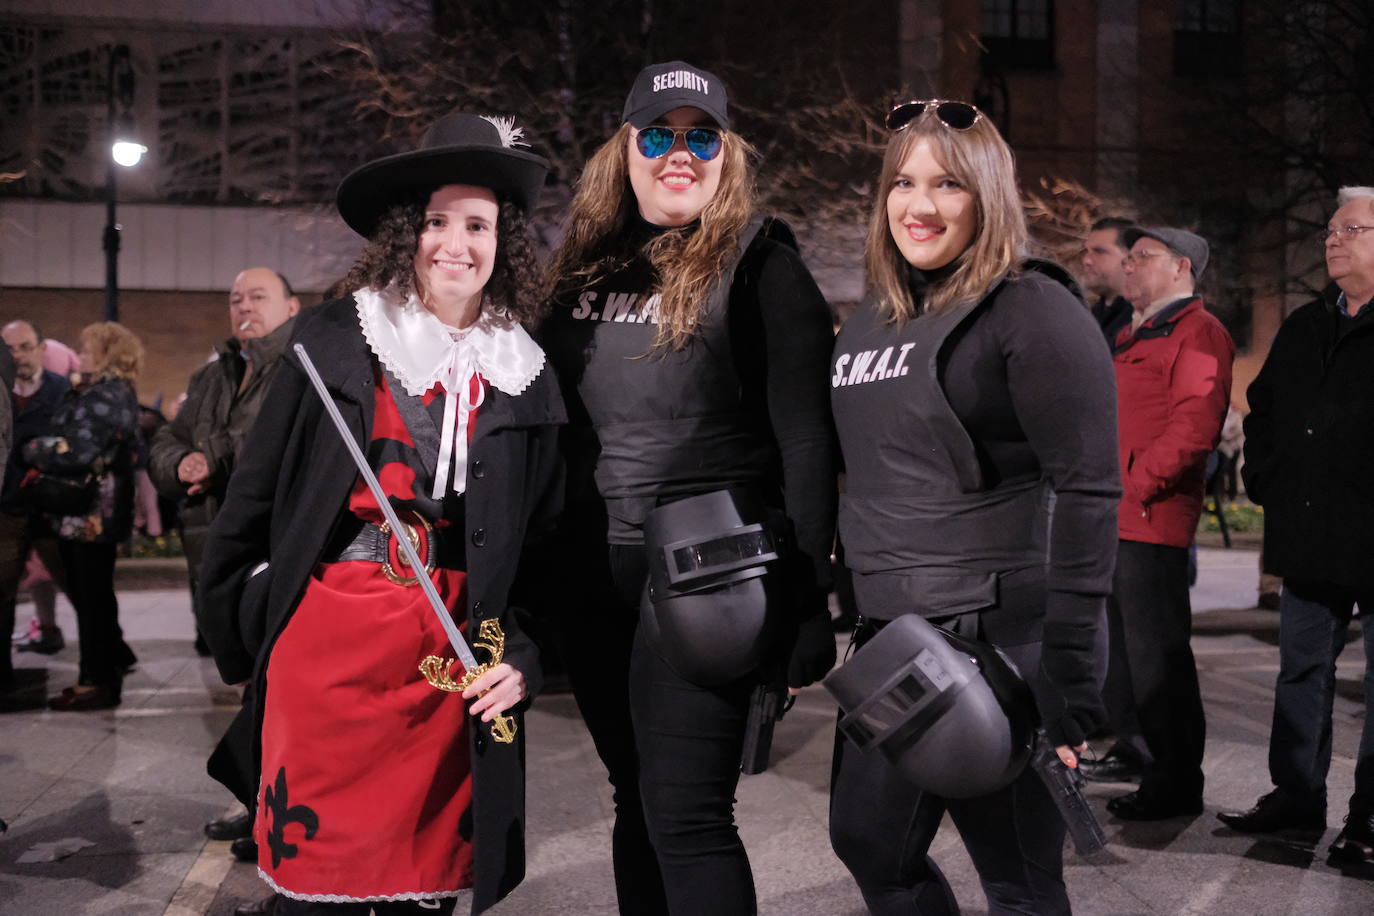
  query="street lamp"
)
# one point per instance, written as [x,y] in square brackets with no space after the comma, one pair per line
[124,152]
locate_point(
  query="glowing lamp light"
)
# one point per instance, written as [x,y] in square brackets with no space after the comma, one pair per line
[127,153]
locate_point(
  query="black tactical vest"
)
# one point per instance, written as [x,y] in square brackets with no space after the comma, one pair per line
[654,423]
[921,529]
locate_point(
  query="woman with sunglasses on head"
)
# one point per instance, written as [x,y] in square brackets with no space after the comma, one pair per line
[971,395]
[691,343]
[387,779]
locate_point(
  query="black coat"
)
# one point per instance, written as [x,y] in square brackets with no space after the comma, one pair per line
[291,487]
[1309,447]
[32,420]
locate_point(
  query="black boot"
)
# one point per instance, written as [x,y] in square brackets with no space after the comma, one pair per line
[230,828]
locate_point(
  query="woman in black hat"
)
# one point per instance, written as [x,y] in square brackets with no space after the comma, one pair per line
[365,773]
[974,404]
[691,342]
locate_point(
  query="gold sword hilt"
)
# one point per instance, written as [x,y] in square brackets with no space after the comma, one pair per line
[439,672]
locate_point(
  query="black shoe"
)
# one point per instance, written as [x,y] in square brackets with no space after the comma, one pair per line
[1109,768]
[244,849]
[1355,843]
[125,659]
[45,641]
[230,828]
[267,906]
[1275,811]
[86,697]
[1148,806]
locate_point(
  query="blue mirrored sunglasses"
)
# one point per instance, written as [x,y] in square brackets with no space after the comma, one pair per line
[702,142]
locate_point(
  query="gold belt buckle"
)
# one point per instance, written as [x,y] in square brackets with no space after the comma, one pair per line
[412,533]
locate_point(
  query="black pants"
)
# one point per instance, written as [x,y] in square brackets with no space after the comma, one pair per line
[287,906]
[1117,695]
[881,826]
[1313,620]
[90,587]
[672,751]
[14,551]
[1151,611]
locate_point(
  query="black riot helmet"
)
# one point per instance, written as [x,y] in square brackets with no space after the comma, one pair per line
[950,713]
[706,608]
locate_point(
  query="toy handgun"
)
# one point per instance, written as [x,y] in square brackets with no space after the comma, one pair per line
[767,704]
[1066,788]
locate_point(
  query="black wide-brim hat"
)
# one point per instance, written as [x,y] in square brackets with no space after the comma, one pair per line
[457,149]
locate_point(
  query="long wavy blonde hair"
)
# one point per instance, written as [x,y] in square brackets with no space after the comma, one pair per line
[686,260]
[980,160]
[115,351]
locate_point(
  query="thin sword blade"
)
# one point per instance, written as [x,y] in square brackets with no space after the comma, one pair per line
[402,542]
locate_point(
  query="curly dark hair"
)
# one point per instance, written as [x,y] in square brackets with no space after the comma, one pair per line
[516,283]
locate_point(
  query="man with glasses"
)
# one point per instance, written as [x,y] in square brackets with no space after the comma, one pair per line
[1309,447]
[35,394]
[1173,377]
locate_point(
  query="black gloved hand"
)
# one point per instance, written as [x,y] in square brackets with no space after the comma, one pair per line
[1067,692]
[813,654]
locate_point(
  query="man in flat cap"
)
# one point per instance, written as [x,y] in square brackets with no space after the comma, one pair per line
[1173,378]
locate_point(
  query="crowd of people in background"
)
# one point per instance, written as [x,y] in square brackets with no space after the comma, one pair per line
[1110,412]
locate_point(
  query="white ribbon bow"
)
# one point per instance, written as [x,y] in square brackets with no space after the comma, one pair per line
[459,403]
[420,350]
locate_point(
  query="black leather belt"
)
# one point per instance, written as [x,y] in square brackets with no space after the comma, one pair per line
[359,540]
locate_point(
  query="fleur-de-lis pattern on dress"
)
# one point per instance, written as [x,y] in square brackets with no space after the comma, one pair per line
[282,814]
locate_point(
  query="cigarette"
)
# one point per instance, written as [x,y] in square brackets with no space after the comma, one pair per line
[244,325]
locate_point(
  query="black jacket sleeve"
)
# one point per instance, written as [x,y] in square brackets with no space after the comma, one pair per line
[544,480]
[779,314]
[176,439]
[240,537]
[1259,423]
[1063,390]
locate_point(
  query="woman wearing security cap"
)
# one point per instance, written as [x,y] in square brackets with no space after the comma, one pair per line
[975,409]
[378,785]
[691,342]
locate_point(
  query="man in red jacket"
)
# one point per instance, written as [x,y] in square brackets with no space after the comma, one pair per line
[1173,379]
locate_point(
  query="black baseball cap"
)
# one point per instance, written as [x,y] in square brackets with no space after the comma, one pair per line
[660,88]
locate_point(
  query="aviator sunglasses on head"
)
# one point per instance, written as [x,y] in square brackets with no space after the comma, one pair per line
[954,115]
[655,142]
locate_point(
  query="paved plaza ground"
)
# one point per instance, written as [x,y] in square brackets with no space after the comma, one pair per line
[131,783]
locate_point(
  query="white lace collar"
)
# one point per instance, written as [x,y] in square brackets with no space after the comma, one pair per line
[418,348]
[421,351]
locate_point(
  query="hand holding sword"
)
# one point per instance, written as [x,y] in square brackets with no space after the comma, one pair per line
[496,685]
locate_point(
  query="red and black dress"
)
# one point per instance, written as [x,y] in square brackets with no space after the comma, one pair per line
[366,783]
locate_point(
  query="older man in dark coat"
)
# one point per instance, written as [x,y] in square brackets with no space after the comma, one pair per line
[30,394]
[192,457]
[1309,448]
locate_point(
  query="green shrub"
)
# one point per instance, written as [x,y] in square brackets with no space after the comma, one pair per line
[142,547]
[1239,518]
